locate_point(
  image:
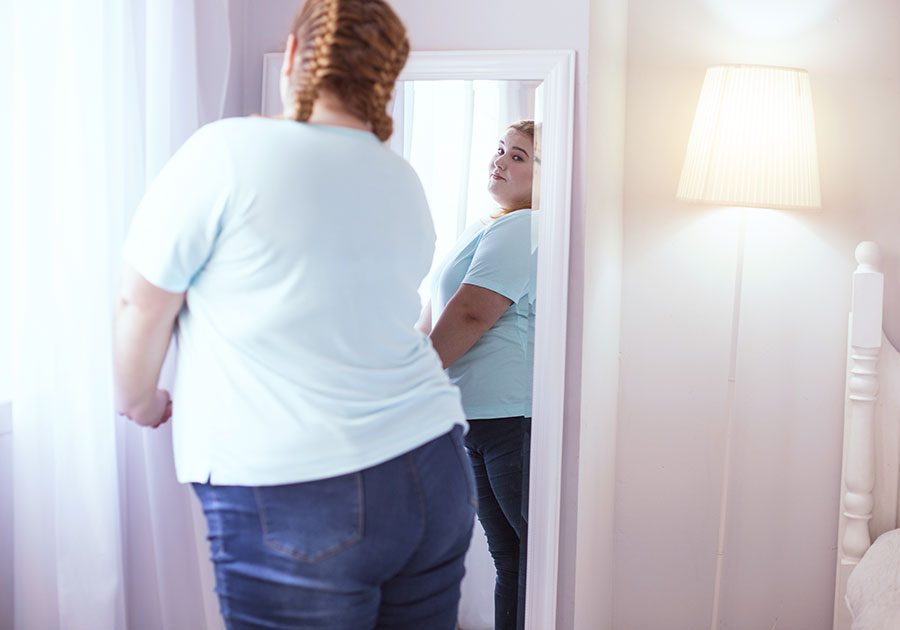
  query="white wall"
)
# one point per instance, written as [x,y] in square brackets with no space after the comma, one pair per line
[679,266]
[593,589]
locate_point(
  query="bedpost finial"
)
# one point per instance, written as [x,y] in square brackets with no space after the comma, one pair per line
[868,255]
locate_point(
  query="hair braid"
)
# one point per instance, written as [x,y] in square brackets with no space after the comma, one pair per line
[382,123]
[321,28]
[354,49]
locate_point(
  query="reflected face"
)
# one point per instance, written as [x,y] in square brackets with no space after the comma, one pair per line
[511,171]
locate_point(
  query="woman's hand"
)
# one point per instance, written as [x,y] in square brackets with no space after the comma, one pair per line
[154,412]
[144,319]
[424,323]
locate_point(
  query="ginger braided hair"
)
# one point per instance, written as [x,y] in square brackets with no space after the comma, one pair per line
[354,49]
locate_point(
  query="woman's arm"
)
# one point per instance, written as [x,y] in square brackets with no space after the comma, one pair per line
[424,323]
[468,315]
[144,319]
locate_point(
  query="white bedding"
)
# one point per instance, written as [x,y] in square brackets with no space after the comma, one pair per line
[873,588]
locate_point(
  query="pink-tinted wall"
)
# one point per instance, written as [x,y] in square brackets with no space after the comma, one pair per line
[679,282]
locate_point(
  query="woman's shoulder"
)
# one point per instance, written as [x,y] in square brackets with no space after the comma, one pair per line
[520,220]
[230,130]
[238,122]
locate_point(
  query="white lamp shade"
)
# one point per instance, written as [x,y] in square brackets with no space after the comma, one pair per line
[753,142]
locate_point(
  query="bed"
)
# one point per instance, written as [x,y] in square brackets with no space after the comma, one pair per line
[867,579]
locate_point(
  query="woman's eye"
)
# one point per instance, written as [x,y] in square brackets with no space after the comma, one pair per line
[499,151]
[518,158]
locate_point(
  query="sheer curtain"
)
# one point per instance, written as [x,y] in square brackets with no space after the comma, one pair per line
[101,94]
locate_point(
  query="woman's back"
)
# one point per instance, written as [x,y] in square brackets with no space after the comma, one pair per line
[313,418]
[303,247]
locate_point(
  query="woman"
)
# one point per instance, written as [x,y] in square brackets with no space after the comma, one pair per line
[316,425]
[482,305]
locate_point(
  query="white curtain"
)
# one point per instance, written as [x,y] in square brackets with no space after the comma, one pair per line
[448,130]
[101,94]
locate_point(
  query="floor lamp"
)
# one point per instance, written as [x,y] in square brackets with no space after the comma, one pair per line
[753,144]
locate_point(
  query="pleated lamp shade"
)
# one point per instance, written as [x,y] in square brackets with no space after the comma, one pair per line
[753,142]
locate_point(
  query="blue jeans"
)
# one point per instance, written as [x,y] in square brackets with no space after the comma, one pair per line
[380,548]
[498,449]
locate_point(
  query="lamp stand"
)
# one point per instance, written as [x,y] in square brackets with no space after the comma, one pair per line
[732,412]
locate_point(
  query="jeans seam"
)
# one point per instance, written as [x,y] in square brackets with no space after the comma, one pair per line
[419,490]
[463,458]
[215,510]
[327,552]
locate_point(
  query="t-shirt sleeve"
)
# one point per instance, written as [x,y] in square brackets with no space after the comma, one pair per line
[503,261]
[175,226]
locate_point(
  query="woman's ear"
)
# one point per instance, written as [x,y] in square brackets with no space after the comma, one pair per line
[287,67]
[290,49]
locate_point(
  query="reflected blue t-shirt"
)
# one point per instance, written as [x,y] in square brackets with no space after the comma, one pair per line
[495,375]
[301,249]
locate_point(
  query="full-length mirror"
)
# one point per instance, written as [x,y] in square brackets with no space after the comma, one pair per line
[452,113]
[540,85]
[472,145]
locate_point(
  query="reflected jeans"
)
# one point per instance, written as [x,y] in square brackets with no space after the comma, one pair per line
[380,548]
[498,449]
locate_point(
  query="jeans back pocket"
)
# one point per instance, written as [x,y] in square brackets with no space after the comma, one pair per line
[312,520]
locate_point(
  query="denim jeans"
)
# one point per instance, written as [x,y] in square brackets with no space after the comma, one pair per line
[380,548]
[498,450]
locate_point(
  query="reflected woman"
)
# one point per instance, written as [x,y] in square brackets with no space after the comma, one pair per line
[482,308]
[317,427]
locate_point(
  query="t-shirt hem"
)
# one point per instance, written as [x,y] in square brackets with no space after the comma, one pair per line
[487,413]
[312,473]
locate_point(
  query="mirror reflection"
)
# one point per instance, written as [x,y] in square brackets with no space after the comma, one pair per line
[473,146]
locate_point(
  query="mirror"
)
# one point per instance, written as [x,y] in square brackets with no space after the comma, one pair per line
[448,130]
[554,103]
[542,83]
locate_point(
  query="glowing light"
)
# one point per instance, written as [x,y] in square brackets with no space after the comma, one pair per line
[770,19]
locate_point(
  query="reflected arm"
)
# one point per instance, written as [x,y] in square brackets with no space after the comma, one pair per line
[144,320]
[468,315]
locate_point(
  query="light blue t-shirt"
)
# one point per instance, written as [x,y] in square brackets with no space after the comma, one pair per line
[495,375]
[301,248]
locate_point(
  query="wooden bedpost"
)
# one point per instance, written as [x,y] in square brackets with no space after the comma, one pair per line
[858,475]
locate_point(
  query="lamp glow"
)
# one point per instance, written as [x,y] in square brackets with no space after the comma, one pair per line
[753,142]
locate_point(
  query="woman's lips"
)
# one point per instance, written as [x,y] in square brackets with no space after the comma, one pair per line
[494,176]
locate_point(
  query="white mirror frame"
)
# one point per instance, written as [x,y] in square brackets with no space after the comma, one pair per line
[556,69]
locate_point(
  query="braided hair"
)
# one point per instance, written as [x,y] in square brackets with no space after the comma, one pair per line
[354,49]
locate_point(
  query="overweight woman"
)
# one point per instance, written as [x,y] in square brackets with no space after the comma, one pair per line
[482,310]
[317,427]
